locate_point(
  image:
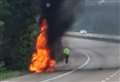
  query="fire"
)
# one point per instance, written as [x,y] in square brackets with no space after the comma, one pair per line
[41,60]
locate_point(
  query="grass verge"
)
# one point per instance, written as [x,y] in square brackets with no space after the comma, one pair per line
[6,74]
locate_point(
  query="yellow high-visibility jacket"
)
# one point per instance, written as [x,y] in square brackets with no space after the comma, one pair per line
[66,51]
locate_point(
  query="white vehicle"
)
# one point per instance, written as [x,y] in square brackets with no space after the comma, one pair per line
[100,40]
[83,31]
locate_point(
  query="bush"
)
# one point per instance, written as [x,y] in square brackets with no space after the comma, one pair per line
[18,56]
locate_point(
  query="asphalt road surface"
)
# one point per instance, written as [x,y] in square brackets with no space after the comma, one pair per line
[108,75]
[72,71]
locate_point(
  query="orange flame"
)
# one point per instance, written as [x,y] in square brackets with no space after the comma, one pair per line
[41,60]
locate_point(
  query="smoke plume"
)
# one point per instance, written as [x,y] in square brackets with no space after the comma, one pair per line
[60,15]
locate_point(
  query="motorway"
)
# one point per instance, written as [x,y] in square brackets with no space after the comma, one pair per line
[82,68]
[102,54]
[98,16]
[108,75]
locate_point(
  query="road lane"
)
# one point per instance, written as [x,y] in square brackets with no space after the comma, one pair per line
[100,49]
[78,76]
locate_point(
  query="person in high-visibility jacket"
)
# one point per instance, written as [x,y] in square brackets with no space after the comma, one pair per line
[66,54]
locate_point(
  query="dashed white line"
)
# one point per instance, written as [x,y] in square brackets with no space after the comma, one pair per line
[111,76]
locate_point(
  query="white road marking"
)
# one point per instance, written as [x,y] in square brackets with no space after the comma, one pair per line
[114,74]
[111,76]
[68,73]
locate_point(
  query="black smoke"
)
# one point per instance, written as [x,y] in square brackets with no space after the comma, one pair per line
[60,16]
[57,23]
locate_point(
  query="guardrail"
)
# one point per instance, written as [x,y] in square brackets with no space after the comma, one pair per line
[111,38]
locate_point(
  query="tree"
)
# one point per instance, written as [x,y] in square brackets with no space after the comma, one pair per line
[4,13]
[17,16]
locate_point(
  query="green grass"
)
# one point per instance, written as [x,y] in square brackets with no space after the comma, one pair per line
[6,74]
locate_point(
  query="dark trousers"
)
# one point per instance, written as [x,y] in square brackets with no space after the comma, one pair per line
[66,59]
